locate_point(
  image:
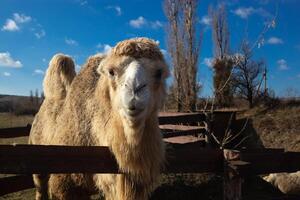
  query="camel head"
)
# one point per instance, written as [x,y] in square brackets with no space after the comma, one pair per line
[136,72]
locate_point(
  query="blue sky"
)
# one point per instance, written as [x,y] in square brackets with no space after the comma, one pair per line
[32,31]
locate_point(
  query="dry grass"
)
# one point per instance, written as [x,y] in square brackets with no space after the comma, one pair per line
[277,128]
[10,120]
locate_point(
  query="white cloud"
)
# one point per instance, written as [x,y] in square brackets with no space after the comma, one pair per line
[208,62]
[244,12]
[13,24]
[6,74]
[206,20]
[39,72]
[282,64]
[10,25]
[21,18]
[71,42]
[141,22]
[104,48]
[40,34]
[275,40]
[156,24]
[116,8]
[138,23]
[7,61]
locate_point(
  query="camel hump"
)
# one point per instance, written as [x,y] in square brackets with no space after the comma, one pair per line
[59,76]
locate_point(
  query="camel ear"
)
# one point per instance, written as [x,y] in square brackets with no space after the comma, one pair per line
[100,69]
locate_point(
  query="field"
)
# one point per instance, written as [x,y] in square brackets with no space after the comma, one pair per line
[276,128]
[10,120]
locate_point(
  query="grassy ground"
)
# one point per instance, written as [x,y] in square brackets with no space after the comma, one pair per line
[10,120]
[276,128]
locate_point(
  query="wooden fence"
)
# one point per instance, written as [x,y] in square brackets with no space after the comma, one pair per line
[182,158]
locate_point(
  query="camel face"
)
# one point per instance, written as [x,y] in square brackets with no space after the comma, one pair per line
[137,85]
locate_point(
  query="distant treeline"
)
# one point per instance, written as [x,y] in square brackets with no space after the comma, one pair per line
[21,105]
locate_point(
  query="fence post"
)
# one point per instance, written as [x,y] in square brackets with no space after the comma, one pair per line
[232,183]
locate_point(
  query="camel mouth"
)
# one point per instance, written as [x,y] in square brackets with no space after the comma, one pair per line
[134,113]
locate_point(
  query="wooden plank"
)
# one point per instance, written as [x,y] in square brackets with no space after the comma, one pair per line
[15,132]
[267,162]
[175,118]
[15,183]
[29,159]
[183,133]
[232,182]
[181,118]
[175,127]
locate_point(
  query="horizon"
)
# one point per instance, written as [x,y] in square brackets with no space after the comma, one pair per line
[32,32]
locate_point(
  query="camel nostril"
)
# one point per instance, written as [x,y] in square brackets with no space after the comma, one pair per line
[131,107]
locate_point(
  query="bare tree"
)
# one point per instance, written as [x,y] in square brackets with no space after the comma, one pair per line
[36,97]
[246,74]
[31,97]
[183,45]
[222,62]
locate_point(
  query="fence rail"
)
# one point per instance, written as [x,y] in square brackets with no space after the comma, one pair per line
[181,158]
[164,119]
[29,159]
[15,132]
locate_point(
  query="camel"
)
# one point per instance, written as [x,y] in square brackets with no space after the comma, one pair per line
[114,102]
[287,183]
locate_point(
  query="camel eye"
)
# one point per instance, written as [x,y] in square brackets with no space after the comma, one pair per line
[158,74]
[111,72]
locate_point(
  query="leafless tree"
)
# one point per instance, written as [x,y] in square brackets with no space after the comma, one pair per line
[222,62]
[183,45]
[36,97]
[31,96]
[246,74]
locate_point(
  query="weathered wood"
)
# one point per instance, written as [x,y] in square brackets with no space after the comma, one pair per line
[167,118]
[232,182]
[183,133]
[181,158]
[29,159]
[181,118]
[14,184]
[176,127]
[268,162]
[15,132]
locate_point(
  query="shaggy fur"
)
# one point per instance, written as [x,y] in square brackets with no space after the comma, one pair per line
[288,183]
[85,113]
